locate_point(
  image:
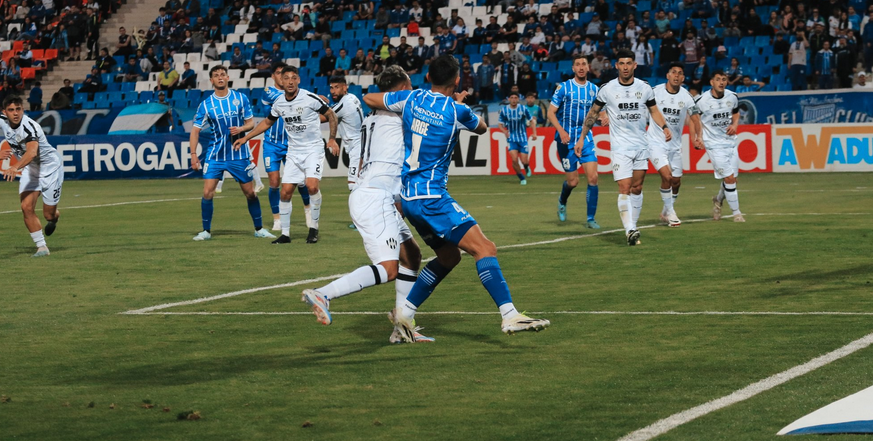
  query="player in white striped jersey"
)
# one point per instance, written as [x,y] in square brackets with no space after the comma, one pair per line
[41,167]
[626,100]
[299,110]
[387,239]
[678,108]
[720,117]
[349,116]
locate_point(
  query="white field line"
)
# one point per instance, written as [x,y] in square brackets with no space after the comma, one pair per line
[676,420]
[667,313]
[120,203]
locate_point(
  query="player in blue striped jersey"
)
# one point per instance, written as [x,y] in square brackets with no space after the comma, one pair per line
[514,120]
[229,113]
[275,150]
[570,104]
[432,120]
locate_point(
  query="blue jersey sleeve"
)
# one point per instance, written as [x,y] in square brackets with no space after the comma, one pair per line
[558,97]
[527,115]
[246,107]
[466,117]
[200,115]
[396,101]
[501,117]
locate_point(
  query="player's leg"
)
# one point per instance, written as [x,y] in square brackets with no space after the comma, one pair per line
[354,170]
[622,167]
[242,173]
[592,193]
[313,170]
[307,209]
[410,260]
[220,185]
[525,162]
[640,165]
[273,159]
[570,162]
[513,157]
[213,172]
[735,167]
[292,175]
[666,192]
[733,199]
[51,196]
[31,221]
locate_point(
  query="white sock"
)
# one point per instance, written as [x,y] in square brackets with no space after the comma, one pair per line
[363,277]
[307,213]
[667,197]
[508,311]
[733,199]
[407,311]
[402,287]
[220,183]
[315,210]
[38,239]
[636,201]
[720,196]
[624,211]
[285,217]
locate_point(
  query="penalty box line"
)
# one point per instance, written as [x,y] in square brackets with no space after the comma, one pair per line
[116,204]
[667,313]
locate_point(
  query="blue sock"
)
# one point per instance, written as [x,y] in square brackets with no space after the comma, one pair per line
[520,176]
[304,194]
[591,198]
[273,195]
[565,193]
[492,279]
[206,213]
[427,280]
[255,211]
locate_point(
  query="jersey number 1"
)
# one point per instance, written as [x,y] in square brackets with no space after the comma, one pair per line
[412,160]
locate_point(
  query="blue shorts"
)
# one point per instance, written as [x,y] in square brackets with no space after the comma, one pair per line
[520,146]
[438,221]
[568,157]
[274,156]
[238,169]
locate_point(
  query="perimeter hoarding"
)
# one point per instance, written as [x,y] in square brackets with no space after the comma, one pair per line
[823,148]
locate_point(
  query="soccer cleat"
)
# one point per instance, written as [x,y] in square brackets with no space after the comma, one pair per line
[41,251]
[633,237]
[50,228]
[521,323]
[664,218]
[282,239]
[593,225]
[397,336]
[406,328]
[264,233]
[523,182]
[313,236]
[319,305]
[528,172]
[218,187]
[673,220]
[352,227]
[716,208]
[258,185]
[739,217]
[562,212]
[203,235]
[277,225]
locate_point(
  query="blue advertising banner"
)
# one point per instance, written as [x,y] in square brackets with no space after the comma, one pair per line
[76,122]
[807,107]
[125,157]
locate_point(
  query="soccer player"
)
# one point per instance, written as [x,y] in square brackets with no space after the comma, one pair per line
[299,110]
[514,120]
[720,117]
[275,149]
[432,120]
[626,100]
[373,210]
[570,103]
[41,168]
[349,116]
[229,113]
[678,108]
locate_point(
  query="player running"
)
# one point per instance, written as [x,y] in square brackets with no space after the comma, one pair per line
[678,108]
[625,100]
[431,123]
[373,210]
[299,110]
[514,120]
[720,117]
[41,168]
[570,103]
[229,113]
[275,149]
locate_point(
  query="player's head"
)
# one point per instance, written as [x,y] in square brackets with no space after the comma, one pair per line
[393,78]
[290,80]
[580,67]
[278,67]
[338,87]
[531,98]
[718,81]
[676,75]
[625,65]
[443,71]
[513,99]
[13,109]
[218,77]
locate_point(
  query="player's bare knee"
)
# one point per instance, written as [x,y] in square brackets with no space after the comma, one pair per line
[592,179]
[390,269]
[730,180]
[573,182]
[410,255]
[449,256]
[676,183]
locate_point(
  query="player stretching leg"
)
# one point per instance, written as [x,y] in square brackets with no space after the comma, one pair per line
[431,123]
[230,115]
[41,168]
[373,211]
[625,100]
[299,110]
[720,118]
[513,122]
[570,103]
[677,106]
[349,116]
[275,149]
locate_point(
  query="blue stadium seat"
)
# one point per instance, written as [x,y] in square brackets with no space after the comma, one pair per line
[315,46]
[113,87]
[644,5]
[337,26]
[476,58]
[392,32]
[80,98]
[731,41]
[301,45]
[128,87]
[118,104]
[89,105]
[750,51]
[783,87]
[762,41]
[146,96]
[336,44]
[356,90]
[373,89]
[107,78]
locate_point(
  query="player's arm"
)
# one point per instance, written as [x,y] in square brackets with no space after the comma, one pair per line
[553,118]
[590,120]
[332,122]
[532,122]
[262,127]
[193,140]
[249,124]
[658,118]
[604,118]
[735,122]
[375,101]
[27,158]
[695,130]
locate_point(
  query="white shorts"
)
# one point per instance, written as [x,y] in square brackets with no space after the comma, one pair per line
[354,161]
[725,162]
[379,223]
[623,166]
[661,157]
[49,186]
[301,166]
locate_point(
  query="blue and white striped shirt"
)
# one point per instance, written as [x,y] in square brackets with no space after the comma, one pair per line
[516,121]
[222,113]
[276,133]
[573,101]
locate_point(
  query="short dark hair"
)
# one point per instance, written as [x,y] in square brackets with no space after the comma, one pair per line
[718,72]
[444,70]
[337,79]
[216,68]
[277,66]
[292,69]
[512,93]
[12,99]
[391,77]
[533,94]
[676,64]
[624,53]
[578,56]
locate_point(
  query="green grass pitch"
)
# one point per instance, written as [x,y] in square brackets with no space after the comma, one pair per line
[64,343]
